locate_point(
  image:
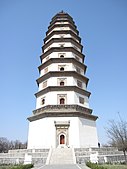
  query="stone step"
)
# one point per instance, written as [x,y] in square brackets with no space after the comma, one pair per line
[62,156]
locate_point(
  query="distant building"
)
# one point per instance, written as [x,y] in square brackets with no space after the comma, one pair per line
[62,116]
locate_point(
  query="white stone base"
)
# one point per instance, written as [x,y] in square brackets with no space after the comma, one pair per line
[81,133]
[28,159]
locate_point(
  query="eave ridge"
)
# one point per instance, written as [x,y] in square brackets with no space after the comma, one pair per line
[62,15]
[62,32]
[62,49]
[57,22]
[65,73]
[62,60]
[62,25]
[63,88]
[51,41]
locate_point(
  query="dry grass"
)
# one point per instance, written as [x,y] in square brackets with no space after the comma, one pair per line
[115,166]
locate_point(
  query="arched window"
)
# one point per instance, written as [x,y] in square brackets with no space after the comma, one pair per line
[61,45]
[62,101]
[62,69]
[61,83]
[61,56]
[43,101]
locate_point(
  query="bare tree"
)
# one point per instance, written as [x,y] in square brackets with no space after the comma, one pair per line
[6,145]
[117,133]
[19,145]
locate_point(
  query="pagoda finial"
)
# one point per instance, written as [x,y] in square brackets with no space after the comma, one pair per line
[62,12]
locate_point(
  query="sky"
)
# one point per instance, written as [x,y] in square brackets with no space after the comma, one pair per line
[102,26]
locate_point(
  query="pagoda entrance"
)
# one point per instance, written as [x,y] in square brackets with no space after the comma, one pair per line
[62,139]
[62,133]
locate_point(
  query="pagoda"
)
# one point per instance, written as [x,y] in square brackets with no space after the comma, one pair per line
[62,116]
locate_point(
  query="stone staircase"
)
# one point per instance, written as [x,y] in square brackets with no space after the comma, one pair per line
[62,156]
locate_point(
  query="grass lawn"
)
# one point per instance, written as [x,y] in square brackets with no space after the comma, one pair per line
[107,166]
[115,166]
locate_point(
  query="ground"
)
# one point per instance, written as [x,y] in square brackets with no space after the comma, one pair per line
[83,167]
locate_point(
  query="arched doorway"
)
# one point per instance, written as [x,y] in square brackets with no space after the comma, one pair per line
[62,133]
[62,139]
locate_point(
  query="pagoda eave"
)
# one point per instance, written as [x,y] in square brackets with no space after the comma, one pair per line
[62,20]
[61,25]
[62,73]
[62,60]
[62,15]
[58,32]
[62,49]
[63,88]
[56,40]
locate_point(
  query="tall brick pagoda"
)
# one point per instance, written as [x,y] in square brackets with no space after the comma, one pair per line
[62,116]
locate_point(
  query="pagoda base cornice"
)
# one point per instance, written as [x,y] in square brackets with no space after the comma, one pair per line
[62,111]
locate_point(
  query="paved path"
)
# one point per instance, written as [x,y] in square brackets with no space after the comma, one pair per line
[63,166]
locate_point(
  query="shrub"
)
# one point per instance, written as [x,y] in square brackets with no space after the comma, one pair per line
[27,166]
[94,166]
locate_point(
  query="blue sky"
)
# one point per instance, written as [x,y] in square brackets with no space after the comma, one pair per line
[103,28]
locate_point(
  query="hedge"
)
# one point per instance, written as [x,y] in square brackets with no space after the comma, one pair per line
[27,166]
[94,166]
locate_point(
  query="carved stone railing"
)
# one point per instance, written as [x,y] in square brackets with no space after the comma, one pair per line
[62,108]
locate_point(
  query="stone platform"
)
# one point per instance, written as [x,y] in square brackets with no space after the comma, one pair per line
[99,155]
[24,156]
[41,157]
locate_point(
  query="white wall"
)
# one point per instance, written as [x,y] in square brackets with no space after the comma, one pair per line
[88,133]
[55,67]
[53,81]
[52,99]
[42,133]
